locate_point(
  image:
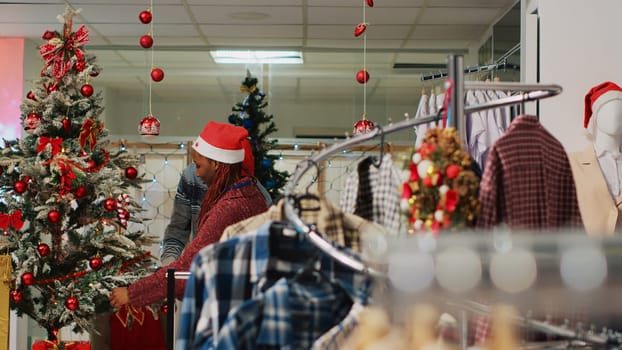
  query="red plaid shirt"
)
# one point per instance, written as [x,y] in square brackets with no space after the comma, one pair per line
[527,182]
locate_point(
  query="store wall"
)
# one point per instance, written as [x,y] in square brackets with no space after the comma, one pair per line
[579,48]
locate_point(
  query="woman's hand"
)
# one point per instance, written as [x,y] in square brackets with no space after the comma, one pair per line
[119,297]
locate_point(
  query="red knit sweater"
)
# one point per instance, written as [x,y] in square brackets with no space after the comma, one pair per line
[235,205]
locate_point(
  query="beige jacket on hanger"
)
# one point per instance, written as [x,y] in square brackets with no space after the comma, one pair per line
[598,210]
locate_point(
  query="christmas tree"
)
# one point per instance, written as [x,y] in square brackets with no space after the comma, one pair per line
[250,114]
[65,200]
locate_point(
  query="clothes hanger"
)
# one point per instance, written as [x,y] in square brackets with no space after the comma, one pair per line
[307,196]
[378,161]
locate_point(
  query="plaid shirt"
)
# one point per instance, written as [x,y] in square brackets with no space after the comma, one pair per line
[385,183]
[336,337]
[286,316]
[342,228]
[527,182]
[223,276]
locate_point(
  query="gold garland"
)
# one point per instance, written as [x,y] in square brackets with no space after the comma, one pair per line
[441,192]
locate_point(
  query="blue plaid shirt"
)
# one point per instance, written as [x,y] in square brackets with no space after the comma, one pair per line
[223,276]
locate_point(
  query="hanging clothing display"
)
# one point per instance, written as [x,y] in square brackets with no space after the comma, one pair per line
[379,193]
[599,210]
[239,275]
[528,182]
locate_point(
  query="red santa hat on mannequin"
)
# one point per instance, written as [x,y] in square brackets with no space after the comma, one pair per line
[597,97]
[227,144]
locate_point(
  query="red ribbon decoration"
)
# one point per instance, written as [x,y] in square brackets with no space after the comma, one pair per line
[14,219]
[128,311]
[66,177]
[55,142]
[89,132]
[57,51]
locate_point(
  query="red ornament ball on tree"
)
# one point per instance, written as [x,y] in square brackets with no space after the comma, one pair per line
[360,29]
[95,263]
[157,74]
[164,308]
[33,120]
[86,90]
[131,173]
[54,216]
[30,95]
[91,164]
[110,204]
[370,3]
[72,303]
[17,295]
[146,41]
[28,278]
[80,192]
[145,17]
[452,171]
[52,88]
[20,186]
[362,76]
[43,249]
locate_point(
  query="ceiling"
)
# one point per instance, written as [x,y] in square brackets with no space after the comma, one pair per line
[399,31]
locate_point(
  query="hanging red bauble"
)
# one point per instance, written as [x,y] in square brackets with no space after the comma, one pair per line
[131,173]
[110,204]
[30,95]
[164,308]
[145,16]
[149,126]
[17,295]
[20,186]
[54,216]
[28,278]
[95,263]
[146,41]
[370,3]
[362,76]
[33,120]
[86,90]
[360,29]
[80,65]
[363,126]
[66,124]
[43,249]
[72,303]
[157,74]
[80,192]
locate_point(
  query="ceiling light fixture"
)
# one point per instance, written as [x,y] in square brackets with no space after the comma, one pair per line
[257,56]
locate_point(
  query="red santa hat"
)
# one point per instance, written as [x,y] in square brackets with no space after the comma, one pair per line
[598,96]
[225,143]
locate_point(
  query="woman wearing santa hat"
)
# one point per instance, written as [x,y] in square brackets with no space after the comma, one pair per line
[224,161]
[597,170]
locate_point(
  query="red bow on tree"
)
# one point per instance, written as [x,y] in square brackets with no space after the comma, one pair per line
[66,177]
[89,132]
[55,142]
[57,52]
[14,219]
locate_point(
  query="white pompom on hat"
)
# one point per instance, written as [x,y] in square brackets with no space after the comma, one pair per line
[225,143]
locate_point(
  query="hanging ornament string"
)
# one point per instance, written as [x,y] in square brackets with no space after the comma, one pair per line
[364,63]
[152,53]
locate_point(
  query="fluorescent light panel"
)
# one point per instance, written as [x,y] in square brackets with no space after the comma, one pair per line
[248,56]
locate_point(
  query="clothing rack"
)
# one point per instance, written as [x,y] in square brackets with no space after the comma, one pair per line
[474,69]
[530,92]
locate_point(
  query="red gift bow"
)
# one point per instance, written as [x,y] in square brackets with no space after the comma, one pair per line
[89,132]
[55,142]
[14,219]
[66,177]
[128,311]
[56,51]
